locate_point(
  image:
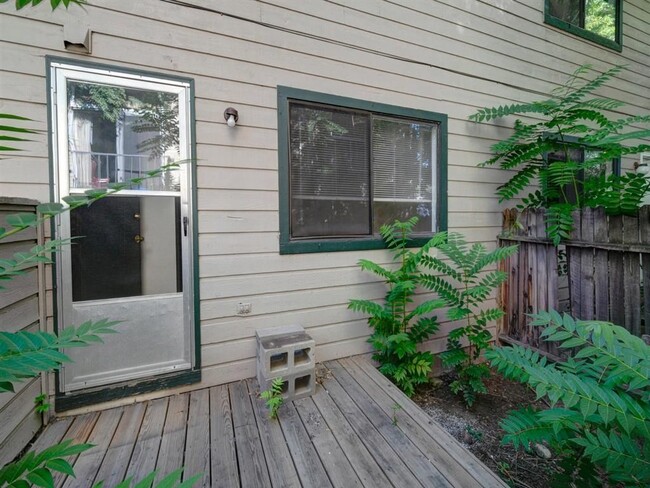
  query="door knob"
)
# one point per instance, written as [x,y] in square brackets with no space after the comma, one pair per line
[138,238]
[136,216]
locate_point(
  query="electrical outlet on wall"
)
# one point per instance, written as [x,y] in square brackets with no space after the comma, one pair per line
[244,308]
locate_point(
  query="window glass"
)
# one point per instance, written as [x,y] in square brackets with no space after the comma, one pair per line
[600,18]
[402,166]
[595,16]
[117,133]
[352,172]
[329,168]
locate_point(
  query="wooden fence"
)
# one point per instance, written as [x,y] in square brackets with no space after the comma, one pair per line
[604,266]
[20,309]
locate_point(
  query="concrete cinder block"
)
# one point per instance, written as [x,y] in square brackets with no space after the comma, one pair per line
[296,386]
[286,352]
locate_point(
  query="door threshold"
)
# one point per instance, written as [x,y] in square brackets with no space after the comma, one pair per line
[92,396]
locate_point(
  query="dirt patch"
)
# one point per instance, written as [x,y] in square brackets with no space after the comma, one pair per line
[478,428]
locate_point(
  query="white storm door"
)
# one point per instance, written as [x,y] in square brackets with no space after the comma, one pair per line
[131,256]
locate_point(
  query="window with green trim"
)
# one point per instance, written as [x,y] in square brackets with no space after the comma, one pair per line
[596,20]
[348,167]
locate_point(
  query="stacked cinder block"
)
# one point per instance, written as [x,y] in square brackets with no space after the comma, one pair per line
[286,352]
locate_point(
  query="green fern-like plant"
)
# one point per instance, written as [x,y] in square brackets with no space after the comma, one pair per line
[26,354]
[600,398]
[575,126]
[36,468]
[273,397]
[398,326]
[464,285]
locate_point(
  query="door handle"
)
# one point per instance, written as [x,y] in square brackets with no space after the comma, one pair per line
[138,238]
[185,222]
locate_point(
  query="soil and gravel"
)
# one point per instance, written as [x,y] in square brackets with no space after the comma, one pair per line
[478,428]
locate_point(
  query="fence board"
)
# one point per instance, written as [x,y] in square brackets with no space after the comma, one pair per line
[574,257]
[601,267]
[644,237]
[616,275]
[586,299]
[608,272]
[632,277]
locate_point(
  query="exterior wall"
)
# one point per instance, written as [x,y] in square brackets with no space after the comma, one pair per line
[445,56]
[20,310]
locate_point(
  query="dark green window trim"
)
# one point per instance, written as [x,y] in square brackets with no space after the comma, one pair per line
[616,45]
[289,246]
[89,397]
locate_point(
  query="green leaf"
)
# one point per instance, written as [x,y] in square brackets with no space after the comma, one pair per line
[22,220]
[41,477]
[60,465]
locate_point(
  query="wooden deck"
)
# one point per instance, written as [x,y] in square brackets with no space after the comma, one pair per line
[350,433]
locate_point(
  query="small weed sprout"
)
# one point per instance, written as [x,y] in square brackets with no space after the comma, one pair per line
[41,403]
[273,397]
[396,408]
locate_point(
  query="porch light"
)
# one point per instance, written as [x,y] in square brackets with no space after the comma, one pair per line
[232,116]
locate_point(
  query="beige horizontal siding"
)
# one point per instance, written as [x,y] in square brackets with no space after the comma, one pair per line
[449,56]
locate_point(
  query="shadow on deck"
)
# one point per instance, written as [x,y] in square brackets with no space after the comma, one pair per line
[357,430]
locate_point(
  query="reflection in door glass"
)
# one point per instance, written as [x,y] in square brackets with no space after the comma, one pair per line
[116,134]
[126,246]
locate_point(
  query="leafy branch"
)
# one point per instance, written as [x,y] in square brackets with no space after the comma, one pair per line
[25,354]
[565,155]
[600,396]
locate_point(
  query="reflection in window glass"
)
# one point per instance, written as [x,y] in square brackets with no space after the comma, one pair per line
[330,172]
[352,172]
[402,166]
[116,134]
[597,16]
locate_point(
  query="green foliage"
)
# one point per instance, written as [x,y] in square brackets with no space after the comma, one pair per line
[25,354]
[12,131]
[53,3]
[273,397]
[466,268]
[35,469]
[577,132]
[109,100]
[600,18]
[600,398]
[398,327]
[160,116]
[41,404]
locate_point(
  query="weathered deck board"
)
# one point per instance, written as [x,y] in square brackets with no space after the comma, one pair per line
[223,466]
[343,436]
[381,450]
[172,444]
[197,451]
[449,448]
[145,451]
[282,471]
[335,462]
[89,461]
[252,466]
[360,458]
[308,464]
[119,451]
[420,466]
[78,433]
